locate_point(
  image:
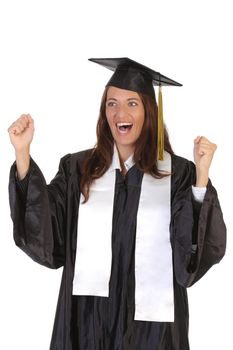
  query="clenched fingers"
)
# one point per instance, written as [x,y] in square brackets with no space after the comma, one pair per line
[20,124]
[203,145]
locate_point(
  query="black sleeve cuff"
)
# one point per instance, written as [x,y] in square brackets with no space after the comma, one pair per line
[22,185]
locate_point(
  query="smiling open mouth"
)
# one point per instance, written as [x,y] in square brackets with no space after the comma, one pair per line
[124,127]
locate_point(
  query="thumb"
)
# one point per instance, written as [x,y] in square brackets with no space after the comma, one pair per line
[30,121]
[197,140]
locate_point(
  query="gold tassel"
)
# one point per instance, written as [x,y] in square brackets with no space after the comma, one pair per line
[160,144]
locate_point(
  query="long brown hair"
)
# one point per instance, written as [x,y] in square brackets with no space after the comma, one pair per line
[99,159]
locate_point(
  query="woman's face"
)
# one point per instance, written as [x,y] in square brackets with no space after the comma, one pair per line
[125,114]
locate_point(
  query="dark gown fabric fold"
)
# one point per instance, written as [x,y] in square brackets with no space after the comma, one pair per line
[45,227]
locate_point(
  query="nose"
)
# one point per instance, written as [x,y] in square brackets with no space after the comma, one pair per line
[122,111]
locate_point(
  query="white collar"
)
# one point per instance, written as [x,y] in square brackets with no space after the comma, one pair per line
[116,161]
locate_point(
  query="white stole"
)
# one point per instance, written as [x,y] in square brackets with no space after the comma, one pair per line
[153,253]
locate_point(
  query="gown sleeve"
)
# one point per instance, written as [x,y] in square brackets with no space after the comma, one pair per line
[38,212]
[198,232]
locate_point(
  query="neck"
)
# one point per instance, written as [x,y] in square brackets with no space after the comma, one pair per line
[124,152]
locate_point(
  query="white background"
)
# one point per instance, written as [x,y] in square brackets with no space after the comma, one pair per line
[44,47]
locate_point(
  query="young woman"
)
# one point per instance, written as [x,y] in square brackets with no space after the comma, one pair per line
[132,232]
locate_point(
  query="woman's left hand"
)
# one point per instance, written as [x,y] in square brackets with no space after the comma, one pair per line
[203,155]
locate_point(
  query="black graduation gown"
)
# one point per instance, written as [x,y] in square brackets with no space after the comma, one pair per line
[45,227]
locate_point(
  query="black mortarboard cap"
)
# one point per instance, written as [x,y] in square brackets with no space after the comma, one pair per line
[134,76]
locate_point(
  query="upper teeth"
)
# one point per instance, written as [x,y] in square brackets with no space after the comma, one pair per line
[124,124]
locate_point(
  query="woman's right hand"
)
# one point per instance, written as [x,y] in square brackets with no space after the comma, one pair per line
[21,134]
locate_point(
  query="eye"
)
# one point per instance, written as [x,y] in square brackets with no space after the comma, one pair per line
[111,104]
[132,104]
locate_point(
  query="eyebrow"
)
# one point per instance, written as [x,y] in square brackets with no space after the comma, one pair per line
[128,99]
